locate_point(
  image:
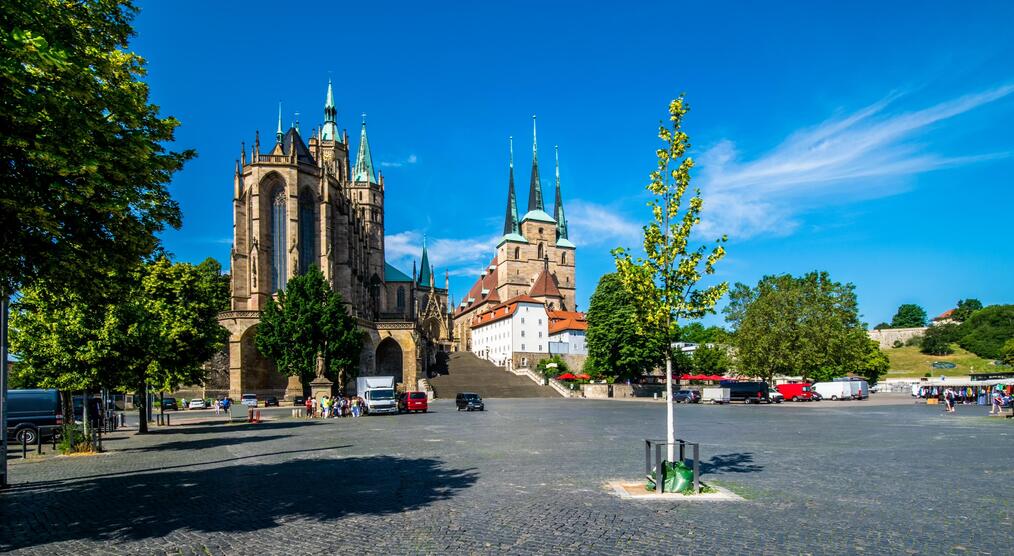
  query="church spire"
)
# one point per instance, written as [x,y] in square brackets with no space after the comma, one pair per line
[425,274]
[535,187]
[329,132]
[558,211]
[279,133]
[364,161]
[510,223]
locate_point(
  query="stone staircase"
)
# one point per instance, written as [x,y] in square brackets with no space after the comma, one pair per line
[468,373]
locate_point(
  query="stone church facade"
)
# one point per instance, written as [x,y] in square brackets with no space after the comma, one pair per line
[534,257]
[301,203]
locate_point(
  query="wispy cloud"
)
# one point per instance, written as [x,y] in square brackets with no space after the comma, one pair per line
[412,159]
[858,155]
[460,257]
[593,224]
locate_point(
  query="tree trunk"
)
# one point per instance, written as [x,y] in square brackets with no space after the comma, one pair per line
[670,422]
[142,394]
[85,414]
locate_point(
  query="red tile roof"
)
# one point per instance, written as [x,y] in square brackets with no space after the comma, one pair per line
[945,315]
[502,311]
[486,282]
[560,321]
[545,286]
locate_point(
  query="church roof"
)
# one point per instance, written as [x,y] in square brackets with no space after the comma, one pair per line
[487,282]
[424,273]
[363,172]
[545,286]
[293,140]
[392,274]
[539,216]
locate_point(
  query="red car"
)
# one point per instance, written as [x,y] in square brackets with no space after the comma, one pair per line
[413,401]
[796,392]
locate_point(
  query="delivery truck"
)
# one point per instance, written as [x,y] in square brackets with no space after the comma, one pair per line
[378,393]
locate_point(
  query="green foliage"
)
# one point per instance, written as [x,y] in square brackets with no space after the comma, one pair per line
[72,441]
[898,344]
[874,363]
[909,316]
[987,330]
[937,339]
[615,347]
[696,333]
[83,184]
[881,326]
[310,319]
[552,372]
[1007,352]
[807,326]
[155,327]
[711,359]
[664,283]
[965,309]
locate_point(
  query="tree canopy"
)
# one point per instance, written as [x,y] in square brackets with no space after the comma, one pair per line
[937,339]
[986,331]
[965,309]
[83,184]
[310,319]
[909,316]
[807,326]
[615,347]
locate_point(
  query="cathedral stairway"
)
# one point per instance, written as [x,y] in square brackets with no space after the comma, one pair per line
[468,373]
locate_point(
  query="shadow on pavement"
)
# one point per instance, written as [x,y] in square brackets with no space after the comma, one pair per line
[237,498]
[731,463]
[213,442]
[225,426]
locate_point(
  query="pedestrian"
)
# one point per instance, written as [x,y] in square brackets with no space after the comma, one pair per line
[218,407]
[313,407]
[309,407]
[996,398]
[225,404]
[949,396]
[325,406]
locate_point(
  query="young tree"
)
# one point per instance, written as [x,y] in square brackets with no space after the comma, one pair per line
[965,309]
[615,346]
[909,316]
[310,319]
[664,283]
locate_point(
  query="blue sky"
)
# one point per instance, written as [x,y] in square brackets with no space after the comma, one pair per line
[871,141]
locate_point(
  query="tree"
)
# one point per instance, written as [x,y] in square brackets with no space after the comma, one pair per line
[1007,352]
[155,328]
[882,326]
[937,339]
[308,320]
[909,316]
[615,346]
[712,359]
[552,372]
[807,326]
[85,166]
[664,283]
[696,333]
[965,309]
[874,363]
[987,330]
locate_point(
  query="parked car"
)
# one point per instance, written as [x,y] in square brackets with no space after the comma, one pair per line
[775,396]
[31,413]
[413,401]
[687,396]
[197,403]
[271,401]
[469,401]
[797,392]
[299,401]
[815,396]
[170,404]
[249,400]
[748,392]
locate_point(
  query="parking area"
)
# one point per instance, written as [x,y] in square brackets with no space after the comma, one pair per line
[527,476]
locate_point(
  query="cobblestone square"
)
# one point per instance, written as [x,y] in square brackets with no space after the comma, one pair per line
[527,476]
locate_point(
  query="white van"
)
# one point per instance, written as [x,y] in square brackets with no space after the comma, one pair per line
[833,390]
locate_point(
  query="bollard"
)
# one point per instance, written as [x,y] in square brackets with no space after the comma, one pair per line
[24,446]
[53,438]
[697,468]
[659,474]
[167,419]
[38,443]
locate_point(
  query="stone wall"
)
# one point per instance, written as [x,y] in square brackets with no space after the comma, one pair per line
[888,336]
[575,362]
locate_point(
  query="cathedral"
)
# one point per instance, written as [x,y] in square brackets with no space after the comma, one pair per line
[534,258]
[300,203]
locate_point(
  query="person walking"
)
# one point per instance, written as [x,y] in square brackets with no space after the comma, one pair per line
[309,407]
[218,407]
[313,407]
[325,406]
[949,396]
[996,398]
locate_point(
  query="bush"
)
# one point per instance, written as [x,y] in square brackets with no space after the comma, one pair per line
[986,331]
[552,372]
[937,339]
[914,341]
[898,343]
[72,440]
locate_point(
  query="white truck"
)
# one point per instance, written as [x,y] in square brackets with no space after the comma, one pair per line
[378,393]
[833,390]
[860,388]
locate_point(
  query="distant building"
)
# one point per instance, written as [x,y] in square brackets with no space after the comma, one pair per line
[947,317]
[567,331]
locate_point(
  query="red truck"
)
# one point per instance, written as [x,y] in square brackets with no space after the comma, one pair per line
[798,392]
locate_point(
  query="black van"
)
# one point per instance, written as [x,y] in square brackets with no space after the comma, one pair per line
[747,392]
[28,410]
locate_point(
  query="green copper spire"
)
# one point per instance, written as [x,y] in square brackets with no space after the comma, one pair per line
[425,274]
[510,223]
[279,134]
[561,219]
[535,187]
[329,132]
[364,161]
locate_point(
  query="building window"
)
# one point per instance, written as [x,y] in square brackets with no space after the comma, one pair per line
[307,232]
[522,333]
[401,298]
[542,253]
[540,334]
[563,258]
[517,253]
[360,195]
[523,349]
[540,231]
[278,243]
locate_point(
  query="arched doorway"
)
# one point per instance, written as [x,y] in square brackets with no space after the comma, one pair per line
[390,359]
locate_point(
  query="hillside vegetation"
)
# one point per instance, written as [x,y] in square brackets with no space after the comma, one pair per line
[908,361]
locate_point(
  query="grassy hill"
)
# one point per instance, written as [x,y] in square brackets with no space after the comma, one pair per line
[908,362]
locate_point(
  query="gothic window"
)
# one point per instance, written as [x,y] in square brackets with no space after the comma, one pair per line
[517,253]
[542,253]
[563,258]
[307,232]
[249,220]
[401,298]
[360,195]
[278,241]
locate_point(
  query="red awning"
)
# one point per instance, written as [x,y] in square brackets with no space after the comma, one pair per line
[566,376]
